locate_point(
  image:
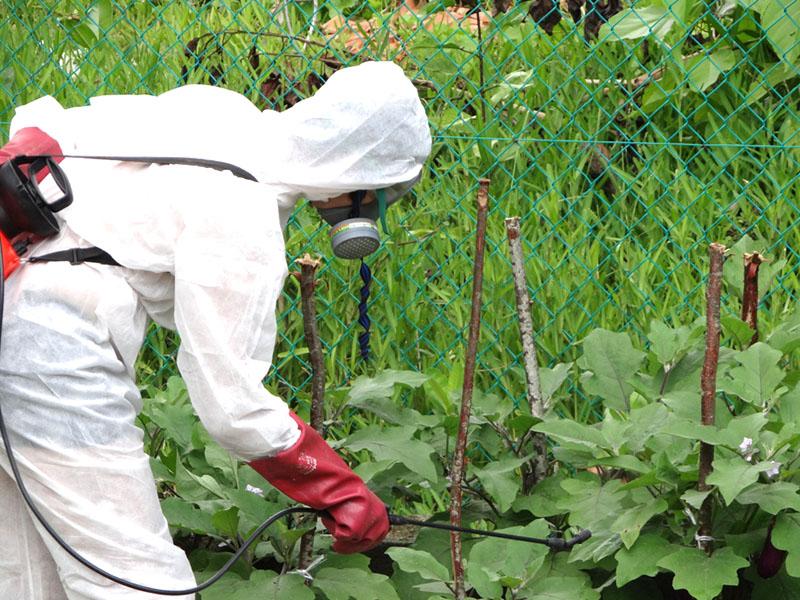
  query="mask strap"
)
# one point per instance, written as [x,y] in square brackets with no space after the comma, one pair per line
[363,319]
[356,198]
[381,196]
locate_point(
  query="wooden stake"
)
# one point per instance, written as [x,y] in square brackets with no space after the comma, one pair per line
[708,384]
[536,470]
[457,471]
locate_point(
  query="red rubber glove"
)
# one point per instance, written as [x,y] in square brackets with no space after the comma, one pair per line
[311,473]
[30,141]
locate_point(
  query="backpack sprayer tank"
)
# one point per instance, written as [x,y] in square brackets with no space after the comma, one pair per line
[24,213]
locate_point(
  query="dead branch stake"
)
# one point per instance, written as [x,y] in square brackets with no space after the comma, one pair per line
[708,384]
[752,261]
[536,470]
[457,471]
[308,270]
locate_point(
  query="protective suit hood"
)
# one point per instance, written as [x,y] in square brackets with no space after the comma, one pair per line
[364,129]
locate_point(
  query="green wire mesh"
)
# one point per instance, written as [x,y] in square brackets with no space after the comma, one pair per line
[626,135]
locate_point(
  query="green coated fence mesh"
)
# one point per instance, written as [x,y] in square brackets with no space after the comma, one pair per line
[626,135]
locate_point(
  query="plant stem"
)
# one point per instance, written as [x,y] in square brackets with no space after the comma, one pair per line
[708,384]
[536,470]
[457,472]
[750,296]
[308,270]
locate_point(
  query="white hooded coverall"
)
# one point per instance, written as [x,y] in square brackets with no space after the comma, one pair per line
[202,253]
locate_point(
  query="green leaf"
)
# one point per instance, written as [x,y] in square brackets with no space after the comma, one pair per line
[692,430]
[705,69]
[382,385]
[772,497]
[758,376]
[500,480]
[603,543]
[630,522]
[779,20]
[589,502]
[612,360]
[417,561]
[732,475]
[701,575]
[264,585]
[667,343]
[186,515]
[398,444]
[786,536]
[491,561]
[177,421]
[641,559]
[543,499]
[695,498]
[561,588]
[359,584]
[571,431]
[552,379]
[636,23]
[226,522]
[221,459]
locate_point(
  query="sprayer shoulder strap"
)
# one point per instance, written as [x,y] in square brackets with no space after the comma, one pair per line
[76,256]
[217,165]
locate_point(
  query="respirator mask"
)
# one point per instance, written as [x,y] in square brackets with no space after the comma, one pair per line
[354,229]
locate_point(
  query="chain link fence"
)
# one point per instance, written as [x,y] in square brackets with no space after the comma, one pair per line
[627,135]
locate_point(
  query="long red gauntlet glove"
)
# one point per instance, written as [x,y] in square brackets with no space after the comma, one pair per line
[310,472]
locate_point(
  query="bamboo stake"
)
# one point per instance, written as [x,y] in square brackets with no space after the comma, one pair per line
[708,384]
[308,270]
[536,470]
[457,472]
[750,296]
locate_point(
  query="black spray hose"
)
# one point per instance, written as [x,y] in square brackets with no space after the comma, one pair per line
[556,544]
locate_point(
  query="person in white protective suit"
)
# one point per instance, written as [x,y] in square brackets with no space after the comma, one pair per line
[201,252]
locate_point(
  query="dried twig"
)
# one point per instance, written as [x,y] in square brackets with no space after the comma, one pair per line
[708,384]
[458,467]
[536,470]
[750,295]
[308,270]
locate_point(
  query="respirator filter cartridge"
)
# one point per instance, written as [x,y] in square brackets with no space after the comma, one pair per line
[355,238]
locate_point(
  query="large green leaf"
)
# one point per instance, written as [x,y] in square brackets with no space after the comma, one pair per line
[630,522]
[186,515]
[772,497]
[704,70]
[500,480]
[612,360]
[492,561]
[641,559]
[757,378]
[589,502]
[638,22]
[668,343]
[382,385]
[264,585]
[786,536]
[571,431]
[398,444]
[358,584]
[780,20]
[418,561]
[732,475]
[701,575]
[560,588]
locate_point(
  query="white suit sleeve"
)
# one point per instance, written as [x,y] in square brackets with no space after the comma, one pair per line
[229,271]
